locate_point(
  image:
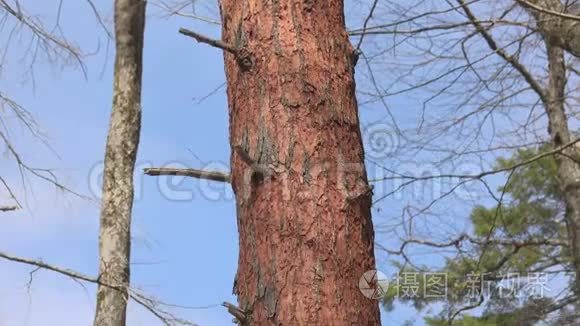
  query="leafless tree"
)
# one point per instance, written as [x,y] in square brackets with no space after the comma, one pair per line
[46,41]
[41,41]
[488,77]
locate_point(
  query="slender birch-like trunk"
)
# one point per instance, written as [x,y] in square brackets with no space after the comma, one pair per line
[120,156]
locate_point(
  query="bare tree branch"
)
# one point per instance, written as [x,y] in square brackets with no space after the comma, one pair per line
[209,41]
[150,304]
[502,53]
[533,6]
[8,208]
[176,9]
[199,174]
[235,311]
[49,41]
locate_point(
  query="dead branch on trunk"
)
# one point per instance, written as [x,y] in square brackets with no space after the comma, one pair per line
[239,314]
[193,173]
[209,41]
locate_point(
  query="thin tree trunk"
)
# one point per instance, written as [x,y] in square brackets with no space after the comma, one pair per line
[120,156]
[303,200]
[568,169]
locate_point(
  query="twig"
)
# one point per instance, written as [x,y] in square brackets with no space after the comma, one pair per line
[556,151]
[41,264]
[369,17]
[204,39]
[464,237]
[530,5]
[236,312]
[469,307]
[100,19]
[147,303]
[512,60]
[8,208]
[45,174]
[194,173]
[177,11]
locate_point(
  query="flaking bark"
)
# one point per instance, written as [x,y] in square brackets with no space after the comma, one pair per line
[303,199]
[120,156]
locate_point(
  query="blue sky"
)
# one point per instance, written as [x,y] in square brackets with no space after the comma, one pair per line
[185,237]
[184,251]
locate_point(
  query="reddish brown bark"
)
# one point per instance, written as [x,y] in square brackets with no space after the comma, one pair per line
[303,199]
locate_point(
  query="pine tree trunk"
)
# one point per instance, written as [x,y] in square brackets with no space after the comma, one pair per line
[568,169]
[303,199]
[120,156]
